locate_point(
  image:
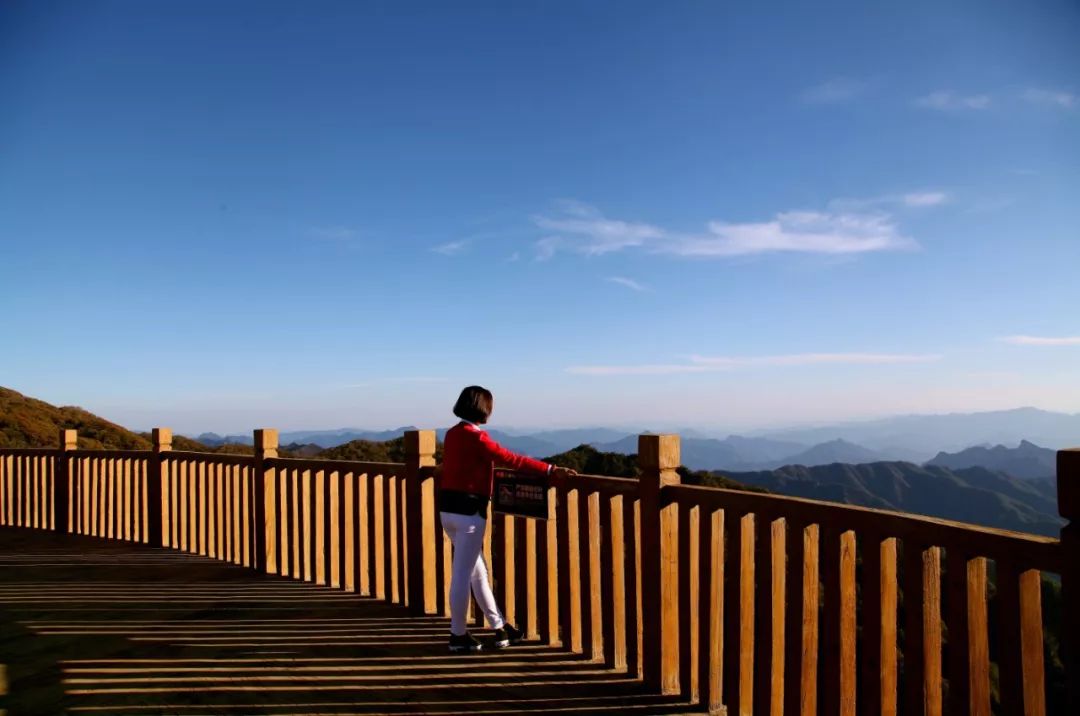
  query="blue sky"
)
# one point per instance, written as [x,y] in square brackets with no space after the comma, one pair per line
[224,215]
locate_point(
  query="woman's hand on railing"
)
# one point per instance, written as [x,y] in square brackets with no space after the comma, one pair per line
[562,473]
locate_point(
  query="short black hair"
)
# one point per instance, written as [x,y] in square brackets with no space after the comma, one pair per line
[474,404]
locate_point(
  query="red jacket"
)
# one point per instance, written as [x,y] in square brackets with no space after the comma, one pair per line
[470,456]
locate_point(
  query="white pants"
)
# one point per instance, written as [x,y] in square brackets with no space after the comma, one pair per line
[466,533]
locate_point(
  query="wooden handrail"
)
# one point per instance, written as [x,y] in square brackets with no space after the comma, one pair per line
[1036,551]
[753,601]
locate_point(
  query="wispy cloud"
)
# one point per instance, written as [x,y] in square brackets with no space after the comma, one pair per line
[712,364]
[332,233]
[451,248]
[912,200]
[834,91]
[586,231]
[1041,340]
[1051,98]
[947,101]
[627,282]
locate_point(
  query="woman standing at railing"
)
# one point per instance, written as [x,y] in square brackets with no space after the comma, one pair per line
[465,485]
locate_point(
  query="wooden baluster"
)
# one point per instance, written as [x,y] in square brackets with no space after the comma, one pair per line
[509,568]
[380,552]
[710,612]
[778,628]
[689,564]
[319,526]
[978,649]
[589,556]
[393,506]
[287,483]
[306,516]
[931,609]
[889,654]
[213,510]
[610,578]
[349,505]
[203,493]
[63,483]
[1031,642]
[658,459]
[525,575]
[547,595]
[334,488]
[422,537]
[569,572]
[366,503]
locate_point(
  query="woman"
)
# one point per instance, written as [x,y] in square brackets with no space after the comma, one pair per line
[465,485]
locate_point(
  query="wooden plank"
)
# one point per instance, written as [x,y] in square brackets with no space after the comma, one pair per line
[848,629]
[588,561]
[319,526]
[379,551]
[307,522]
[888,654]
[778,628]
[334,487]
[288,520]
[573,546]
[530,588]
[562,569]
[615,565]
[1031,642]
[204,507]
[608,578]
[634,657]
[349,501]
[183,525]
[509,570]
[913,699]
[811,616]
[247,531]
[689,564]
[931,591]
[978,645]
[394,532]
[366,532]
[523,572]
[747,582]
[710,612]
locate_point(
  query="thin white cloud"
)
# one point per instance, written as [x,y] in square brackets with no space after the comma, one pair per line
[451,248]
[712,364]
[814,232]
[1046,341]
[834,91]
[627,282]
[516,256]
[1051,98]
[333,233]
[911,200]
[927,198]
[947,101]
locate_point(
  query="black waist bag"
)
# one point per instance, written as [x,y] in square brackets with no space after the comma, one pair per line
[463,503]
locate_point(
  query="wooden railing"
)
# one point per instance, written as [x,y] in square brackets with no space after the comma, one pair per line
[752,602]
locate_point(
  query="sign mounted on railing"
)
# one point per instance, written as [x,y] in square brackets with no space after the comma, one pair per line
[520,494]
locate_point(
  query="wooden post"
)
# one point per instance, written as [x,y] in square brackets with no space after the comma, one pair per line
[264,501]
[420,537]
[161,439]
[1068,490]
[658,458]
[68,441]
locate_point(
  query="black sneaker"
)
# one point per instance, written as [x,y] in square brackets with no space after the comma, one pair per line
[506,635]
[463,643]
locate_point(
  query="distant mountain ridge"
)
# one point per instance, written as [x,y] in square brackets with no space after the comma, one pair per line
[1026,461]
[975,495]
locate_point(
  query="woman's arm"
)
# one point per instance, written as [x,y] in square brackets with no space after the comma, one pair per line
[500,455]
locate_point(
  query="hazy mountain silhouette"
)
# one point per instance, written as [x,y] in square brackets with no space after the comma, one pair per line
[1026,461]
[972,495]
[927,435]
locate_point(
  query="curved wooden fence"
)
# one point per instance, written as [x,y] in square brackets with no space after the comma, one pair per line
[757,603]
